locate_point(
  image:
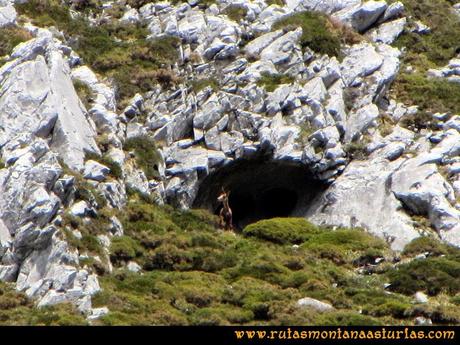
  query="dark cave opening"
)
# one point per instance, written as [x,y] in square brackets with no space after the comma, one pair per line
[260,189]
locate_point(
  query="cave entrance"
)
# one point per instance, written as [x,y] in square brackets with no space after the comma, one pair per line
[260,189]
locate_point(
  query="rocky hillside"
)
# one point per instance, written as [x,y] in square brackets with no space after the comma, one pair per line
[334,125]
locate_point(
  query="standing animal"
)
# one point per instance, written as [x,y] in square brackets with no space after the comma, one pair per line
[225,214]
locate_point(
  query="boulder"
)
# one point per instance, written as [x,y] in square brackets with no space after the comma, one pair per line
[362,16]
[311,303]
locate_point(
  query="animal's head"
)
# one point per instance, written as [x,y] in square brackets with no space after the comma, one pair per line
[223,196]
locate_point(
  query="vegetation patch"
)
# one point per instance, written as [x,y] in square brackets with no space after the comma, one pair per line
[10,37]
[270,82]
[282,230]
[235,12]
[201,84]
[319,32]
[16,309]
[357,150]
[425,51]
[147,155]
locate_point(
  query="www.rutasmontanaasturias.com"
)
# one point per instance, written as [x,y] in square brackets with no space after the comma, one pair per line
[383,334]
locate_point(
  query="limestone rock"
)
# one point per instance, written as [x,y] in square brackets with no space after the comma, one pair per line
[311,303]
[362,16]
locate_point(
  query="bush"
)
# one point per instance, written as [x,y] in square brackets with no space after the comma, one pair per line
[433,275]
[123,249]
[235,12]
[357,150]
[444,40]
[317,32]
[431,95]
[282,230]
[147,156]
[424,244]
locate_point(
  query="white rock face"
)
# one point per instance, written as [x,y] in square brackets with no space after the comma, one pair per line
[365,183]
[362,16]
[7,13]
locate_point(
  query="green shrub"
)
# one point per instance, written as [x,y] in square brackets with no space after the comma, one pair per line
[443,41]
[317,32]
[282,230]
[432,275]
[270,82]
[431,95]
[10,37]
[147,156]
[235,12]
[124,248]
[357,150]
[346,318]
[424,244]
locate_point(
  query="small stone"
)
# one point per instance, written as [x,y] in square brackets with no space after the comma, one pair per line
[421,297]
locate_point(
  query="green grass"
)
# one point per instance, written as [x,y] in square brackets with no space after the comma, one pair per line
[357,150]
[270,82]
[194,274]
[427,51]
[444,40]
[147,156]
[200,84]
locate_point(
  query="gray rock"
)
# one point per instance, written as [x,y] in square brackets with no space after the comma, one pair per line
[361,60]
[281,50]
[7,13]
[361,120]
[255,47]
[362,16]
[311,303]
[388,32]
[80,209]
[422,321]
[95,171]
[133,267]
[97,313]
[354,196]
[394,10]
[420,297]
